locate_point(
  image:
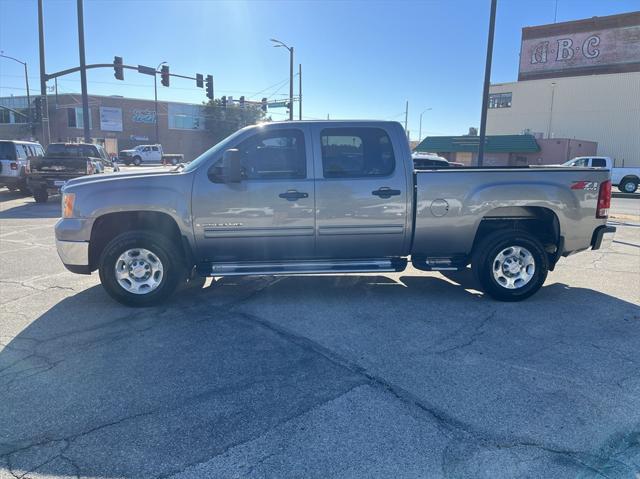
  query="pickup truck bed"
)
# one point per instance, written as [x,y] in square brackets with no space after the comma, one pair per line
[327,197]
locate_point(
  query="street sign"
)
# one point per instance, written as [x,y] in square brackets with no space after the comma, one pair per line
[278,104]
[146,70]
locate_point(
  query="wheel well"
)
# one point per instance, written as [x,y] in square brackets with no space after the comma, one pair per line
[109,226]
[629,177]
[540,222]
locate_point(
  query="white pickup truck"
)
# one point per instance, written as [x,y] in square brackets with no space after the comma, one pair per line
[149,154]
[626,179]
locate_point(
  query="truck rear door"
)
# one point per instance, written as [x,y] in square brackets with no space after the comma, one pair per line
[361,192]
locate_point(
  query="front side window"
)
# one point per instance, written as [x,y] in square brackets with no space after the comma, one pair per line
[277,154]
[356,152]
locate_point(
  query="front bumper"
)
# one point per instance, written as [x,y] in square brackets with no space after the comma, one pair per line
[603,237]
[74,255]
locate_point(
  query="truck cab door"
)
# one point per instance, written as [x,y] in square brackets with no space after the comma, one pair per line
[362,193]
[269,214]
[155,154]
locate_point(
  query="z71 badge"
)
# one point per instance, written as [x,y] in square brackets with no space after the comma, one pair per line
[585,185]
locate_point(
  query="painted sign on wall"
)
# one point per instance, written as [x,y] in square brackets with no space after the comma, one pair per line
[110,118]
[143,116]
[584,47]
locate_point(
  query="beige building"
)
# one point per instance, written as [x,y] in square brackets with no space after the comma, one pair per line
[577,80]
[600,108]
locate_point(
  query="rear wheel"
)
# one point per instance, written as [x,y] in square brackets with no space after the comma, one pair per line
[628,185]
[140,269]
[174,161]
[41,195]
[137,160]
[510,265]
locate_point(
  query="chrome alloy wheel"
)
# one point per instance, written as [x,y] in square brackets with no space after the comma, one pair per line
[139,271]
[513,267]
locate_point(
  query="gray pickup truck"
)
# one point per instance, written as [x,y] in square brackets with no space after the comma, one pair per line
[327,197]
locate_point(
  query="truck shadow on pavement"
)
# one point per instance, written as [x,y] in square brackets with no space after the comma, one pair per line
[94,388]
[27,207]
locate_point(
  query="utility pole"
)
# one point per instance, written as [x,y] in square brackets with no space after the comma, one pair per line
[487,80]
[278,43]
[83,74]
[46,138]
[300,91]
[406,117]
[26,82]
[420,130]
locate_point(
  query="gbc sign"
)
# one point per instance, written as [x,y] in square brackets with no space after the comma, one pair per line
[585,47]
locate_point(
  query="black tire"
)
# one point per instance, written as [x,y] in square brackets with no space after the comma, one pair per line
[41,195]
[486,254]
[137,160]
[628,185]
[174,161]
[128,163]
[24,189]
[160,246]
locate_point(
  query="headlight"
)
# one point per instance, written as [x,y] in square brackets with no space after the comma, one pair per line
[68,199]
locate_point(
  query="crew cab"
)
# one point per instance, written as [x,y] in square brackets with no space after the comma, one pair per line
[626,179]
[64,161]
[149,154]
[327,197]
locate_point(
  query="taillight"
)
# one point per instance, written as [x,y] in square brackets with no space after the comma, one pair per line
[14,165]
[604,200]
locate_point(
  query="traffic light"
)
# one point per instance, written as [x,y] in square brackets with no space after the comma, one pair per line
[223,100]
[37,103]
[118,71]
[209,87]
[242,101]
[199,80]
[264,105]
[164,74]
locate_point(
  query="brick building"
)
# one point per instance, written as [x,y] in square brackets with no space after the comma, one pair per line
[116,122]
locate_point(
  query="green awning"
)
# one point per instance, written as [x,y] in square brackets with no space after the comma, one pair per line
[493,144]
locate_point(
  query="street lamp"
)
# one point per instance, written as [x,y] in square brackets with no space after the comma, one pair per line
[420,132]
[278,43]
[155,92]
[26,81]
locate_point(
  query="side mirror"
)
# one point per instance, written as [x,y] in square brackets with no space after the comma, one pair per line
[231,171]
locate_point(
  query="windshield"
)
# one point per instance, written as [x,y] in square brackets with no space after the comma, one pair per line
[215,150]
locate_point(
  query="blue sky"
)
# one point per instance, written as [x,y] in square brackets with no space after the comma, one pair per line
[361,59]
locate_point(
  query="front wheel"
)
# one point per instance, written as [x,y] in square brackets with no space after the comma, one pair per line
[140,269]
[41,195]
[628,186]
[137,161]
[510,265]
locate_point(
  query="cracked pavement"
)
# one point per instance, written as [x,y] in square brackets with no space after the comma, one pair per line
[402,375]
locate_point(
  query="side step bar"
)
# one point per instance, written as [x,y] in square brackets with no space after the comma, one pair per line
[384,265]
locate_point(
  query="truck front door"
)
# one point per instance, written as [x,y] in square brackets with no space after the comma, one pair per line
[269,215]
[361,194]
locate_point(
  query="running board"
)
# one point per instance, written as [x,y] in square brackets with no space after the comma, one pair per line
[385,265]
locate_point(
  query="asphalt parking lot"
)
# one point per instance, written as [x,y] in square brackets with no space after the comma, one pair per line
[402,375]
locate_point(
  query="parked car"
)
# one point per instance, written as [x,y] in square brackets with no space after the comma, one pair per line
[327,197]
[149,154]
[429,160]
[15,157]
[626,179]
[64,161]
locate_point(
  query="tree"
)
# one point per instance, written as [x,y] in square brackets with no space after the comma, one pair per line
[222,122]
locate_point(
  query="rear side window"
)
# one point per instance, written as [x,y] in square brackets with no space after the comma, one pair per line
[7,151]
[598,162]
[277,154]
[356,152]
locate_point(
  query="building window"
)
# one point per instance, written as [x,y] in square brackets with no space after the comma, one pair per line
[500,100]
[75,118]
[185,117]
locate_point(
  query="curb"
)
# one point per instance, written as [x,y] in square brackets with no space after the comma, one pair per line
[619,194]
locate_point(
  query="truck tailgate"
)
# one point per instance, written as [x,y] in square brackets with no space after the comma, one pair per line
[451,203]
